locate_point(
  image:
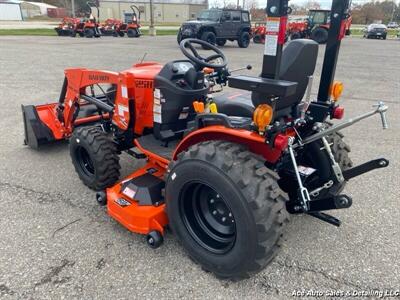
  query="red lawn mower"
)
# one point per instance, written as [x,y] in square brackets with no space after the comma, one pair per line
[111,27]
[258,33]
[67,26]
[223,172]
[131,26]
[89,26]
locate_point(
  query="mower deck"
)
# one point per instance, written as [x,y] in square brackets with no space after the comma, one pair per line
[137,202]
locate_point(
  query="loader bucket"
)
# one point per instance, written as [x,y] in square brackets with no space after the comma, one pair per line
[37,132]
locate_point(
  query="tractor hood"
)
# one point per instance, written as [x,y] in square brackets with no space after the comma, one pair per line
[198,23]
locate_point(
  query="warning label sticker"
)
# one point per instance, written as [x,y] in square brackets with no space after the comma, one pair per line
[271,44]
[157,106]
[273,25]
[271,36]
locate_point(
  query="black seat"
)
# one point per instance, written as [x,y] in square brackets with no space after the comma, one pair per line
[298,63]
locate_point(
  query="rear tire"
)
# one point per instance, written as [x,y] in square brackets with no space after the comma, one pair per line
[225,208]
[95,158]
[244,39]
[320,35]
[89,33]
[340,151]
[208,37]
[132,33]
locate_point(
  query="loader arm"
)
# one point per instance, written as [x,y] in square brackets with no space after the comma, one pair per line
[77,81]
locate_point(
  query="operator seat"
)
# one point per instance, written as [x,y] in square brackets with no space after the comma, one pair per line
[298,63]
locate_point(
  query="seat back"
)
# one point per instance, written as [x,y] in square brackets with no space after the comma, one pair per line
[298,63]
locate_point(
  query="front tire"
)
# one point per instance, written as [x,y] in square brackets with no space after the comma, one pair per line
[258,39]
[208,37]
[221,42]
[95,157]
[225,208]
[244,39]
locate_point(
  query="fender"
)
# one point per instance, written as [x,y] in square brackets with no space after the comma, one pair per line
[252,140]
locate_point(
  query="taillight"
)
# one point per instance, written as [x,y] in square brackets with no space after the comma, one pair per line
[338,112]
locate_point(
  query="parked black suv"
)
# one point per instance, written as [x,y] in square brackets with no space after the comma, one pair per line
[216,26]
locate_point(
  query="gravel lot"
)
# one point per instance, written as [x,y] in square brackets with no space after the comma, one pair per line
[56,242]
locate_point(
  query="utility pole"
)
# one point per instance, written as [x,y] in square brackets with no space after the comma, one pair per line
[73,8]
[394,8]
[237,5]
[152,29]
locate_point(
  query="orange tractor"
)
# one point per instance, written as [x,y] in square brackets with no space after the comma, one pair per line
[88,26]
[67,26]
[316,27]
[111,27]
[131,25]
[223,172]
[258,33]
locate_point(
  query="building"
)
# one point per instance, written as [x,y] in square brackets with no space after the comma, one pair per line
[10,11]
[165,11]
[15,10]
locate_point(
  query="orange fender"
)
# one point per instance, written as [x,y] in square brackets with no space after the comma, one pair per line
[252,140]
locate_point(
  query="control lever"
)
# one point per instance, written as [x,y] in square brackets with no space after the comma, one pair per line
[381,109]
[248,67]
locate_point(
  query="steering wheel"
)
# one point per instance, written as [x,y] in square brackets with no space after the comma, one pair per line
[203,62]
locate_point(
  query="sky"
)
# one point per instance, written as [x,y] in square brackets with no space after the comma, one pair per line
[324,3]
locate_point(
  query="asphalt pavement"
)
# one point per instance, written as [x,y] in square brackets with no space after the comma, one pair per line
[57,243]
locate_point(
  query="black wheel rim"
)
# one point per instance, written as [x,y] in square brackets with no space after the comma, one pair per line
[207,217]
[84,160]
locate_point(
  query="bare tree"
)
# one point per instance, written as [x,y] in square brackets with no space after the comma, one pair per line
[311,4]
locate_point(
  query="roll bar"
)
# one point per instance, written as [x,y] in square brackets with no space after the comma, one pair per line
[93,4]
[277,12]
[134,7]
